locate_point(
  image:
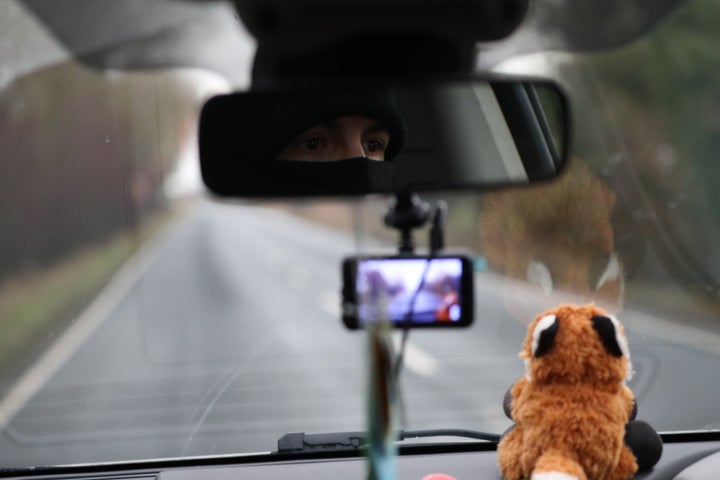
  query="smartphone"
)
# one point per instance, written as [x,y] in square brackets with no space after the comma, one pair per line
[408,291]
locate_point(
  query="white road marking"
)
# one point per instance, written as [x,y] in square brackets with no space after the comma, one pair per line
[415,359]
[22,391]
[418,360]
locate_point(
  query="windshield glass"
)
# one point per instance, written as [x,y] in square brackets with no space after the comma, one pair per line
[142,319]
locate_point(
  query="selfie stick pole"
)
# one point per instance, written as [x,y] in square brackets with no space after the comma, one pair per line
[381,402]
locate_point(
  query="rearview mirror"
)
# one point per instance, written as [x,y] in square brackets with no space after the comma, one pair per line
[361,139]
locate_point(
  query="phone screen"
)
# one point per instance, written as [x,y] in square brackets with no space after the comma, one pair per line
[408,291]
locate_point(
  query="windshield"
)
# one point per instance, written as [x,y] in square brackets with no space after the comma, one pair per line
[143,319]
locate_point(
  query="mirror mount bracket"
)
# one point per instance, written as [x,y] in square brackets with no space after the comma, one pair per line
[405,214]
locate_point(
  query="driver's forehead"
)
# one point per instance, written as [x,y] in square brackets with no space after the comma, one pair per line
[358,123]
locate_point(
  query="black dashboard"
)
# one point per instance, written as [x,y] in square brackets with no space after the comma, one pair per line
[685,457]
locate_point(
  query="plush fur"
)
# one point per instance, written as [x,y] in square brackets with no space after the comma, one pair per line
[561,227]
[572,407]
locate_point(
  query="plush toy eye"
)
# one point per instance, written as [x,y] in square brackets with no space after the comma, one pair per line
[544,335]
[609,331]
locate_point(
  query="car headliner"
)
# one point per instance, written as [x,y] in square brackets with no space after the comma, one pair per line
[138,34]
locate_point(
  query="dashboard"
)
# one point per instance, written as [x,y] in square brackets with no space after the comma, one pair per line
[682,459]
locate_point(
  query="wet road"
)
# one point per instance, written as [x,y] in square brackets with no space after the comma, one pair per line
[225,334]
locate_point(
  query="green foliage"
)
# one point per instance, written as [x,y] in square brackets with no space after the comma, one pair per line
[672,79]
[660,102]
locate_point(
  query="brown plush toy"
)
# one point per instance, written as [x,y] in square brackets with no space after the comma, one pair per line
[573,412]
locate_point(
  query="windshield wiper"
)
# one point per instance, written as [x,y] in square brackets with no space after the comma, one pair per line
[353,441]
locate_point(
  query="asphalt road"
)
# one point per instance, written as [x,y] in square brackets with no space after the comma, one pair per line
[225,334]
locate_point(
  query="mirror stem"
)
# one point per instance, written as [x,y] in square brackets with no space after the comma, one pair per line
[407,213]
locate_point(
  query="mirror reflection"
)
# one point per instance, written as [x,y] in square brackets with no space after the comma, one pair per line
[357,140]
[339,138]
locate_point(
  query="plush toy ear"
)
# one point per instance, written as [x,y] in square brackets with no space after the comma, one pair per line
[544,335]
[612,339]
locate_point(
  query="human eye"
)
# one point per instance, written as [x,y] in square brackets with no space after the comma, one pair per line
[375,145]
[311,140]
[310,144]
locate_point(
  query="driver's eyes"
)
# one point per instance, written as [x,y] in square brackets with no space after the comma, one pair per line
[311,143]
[375,146]
[307,143]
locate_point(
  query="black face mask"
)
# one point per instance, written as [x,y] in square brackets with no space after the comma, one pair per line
[338,177]
[350,176]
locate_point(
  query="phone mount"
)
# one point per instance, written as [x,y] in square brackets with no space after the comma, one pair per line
[409,212]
